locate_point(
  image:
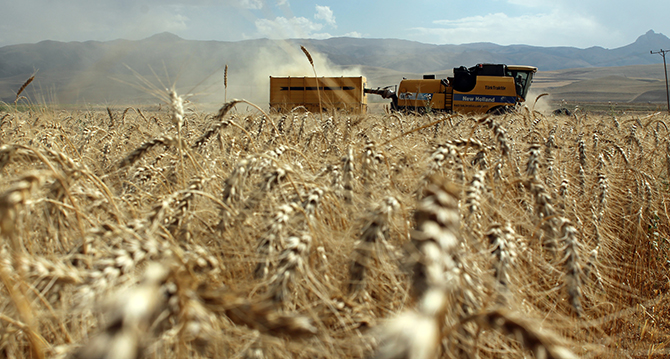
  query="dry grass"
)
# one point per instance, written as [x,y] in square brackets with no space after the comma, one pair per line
[180,234]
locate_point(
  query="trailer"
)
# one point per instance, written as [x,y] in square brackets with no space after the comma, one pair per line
[318,93]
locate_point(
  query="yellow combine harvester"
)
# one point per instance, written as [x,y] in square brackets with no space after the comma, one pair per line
[485,88]
[331,93]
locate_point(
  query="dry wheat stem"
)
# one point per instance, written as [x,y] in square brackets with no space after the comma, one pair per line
[375,232]
[292,261]
[130,316]
[417,334]
[23,87]
[316,79]
[137,215]
[572,264]
[135,155]
[262,316]
[225,83]
[447,118]
[503,251]
[18,297]
[63,183]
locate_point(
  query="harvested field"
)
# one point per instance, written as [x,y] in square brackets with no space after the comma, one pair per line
[180,234]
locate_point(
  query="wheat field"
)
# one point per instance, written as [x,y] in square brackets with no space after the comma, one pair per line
[130,233]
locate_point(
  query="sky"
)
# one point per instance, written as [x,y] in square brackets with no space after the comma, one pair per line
[578,23]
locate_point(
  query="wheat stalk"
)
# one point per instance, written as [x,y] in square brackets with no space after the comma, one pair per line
[268,244]
[259,315]
[533,161]
[417,334]
[572,265]
[473,194]
[23,87]
[543,344]
[292,260]
[348,175]
[375,232]
[312,203]
[10,200]
[225,84]
[130,316]
[504,252]
[316,79]
[136,154]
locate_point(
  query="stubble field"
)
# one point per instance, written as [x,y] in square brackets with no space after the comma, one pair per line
[180,234]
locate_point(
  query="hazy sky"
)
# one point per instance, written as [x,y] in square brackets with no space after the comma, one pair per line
[580,23]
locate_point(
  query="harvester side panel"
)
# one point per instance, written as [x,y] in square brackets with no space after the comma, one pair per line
[438,101]
[424,93]
[414,94]
[488,93]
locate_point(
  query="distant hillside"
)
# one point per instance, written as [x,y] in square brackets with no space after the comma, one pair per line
[402,55]
[639,84]
[126,72]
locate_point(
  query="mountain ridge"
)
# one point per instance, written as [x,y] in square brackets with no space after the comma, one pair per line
[95,71]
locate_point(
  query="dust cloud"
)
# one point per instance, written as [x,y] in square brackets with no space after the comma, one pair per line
[541,104]
[252,83]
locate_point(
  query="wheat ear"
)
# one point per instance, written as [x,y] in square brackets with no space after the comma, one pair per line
[348,175]
[543,344]
[23,87]
[292,259]
[269,242]
[261,315]
[10,200]
[417,334]
[316,79]
[225,84]
[473,194]
[130,317]
[504,253]
[144,148]
[603,189]
[375,231]
[573,265]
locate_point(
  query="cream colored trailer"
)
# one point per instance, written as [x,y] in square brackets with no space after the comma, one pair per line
[335,93]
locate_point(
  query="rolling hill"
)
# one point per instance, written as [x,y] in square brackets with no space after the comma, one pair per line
[129,72]
[637,84]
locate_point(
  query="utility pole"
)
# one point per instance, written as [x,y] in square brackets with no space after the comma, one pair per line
[667,94]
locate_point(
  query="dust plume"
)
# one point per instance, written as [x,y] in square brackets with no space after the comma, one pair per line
[541,104]
[253,82]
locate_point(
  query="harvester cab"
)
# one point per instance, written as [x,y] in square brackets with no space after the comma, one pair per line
[523,77]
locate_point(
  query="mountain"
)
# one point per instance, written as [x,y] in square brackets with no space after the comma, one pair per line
[129,72]
[411,56]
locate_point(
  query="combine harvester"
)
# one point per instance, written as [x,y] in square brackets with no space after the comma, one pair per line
[485,88]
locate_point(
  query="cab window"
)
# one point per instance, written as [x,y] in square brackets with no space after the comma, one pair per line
[521,81]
